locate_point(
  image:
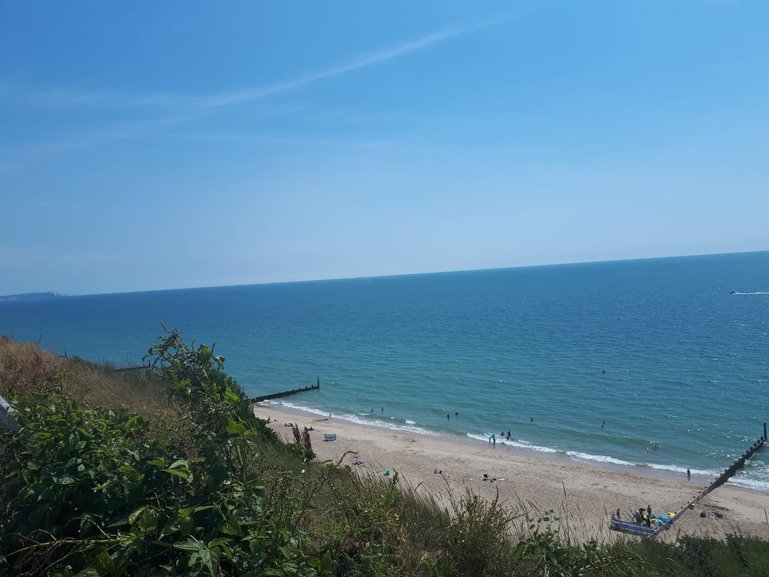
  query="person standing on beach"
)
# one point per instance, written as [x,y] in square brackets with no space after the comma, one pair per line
[688,475]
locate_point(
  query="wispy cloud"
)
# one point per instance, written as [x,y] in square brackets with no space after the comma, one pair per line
[29,154]
[88,259]
[64,97]
[292,140]
[176,109]
[60,97]
[36,256]
[14,256]
[362,61]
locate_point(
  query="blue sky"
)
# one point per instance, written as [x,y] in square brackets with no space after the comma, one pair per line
[153,145]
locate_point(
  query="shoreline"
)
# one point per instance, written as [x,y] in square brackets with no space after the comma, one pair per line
[582,494]
[698,477]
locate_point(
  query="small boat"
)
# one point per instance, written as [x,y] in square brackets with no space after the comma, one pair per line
[632,528]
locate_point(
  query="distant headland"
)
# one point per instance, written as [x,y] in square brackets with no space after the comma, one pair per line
[32,297]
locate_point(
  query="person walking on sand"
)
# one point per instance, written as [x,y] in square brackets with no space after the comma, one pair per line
[688,475]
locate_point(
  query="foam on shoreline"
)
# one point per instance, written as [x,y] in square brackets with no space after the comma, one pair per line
[582,492]
[673,472]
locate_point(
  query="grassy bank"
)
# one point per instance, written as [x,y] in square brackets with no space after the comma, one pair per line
[167,472]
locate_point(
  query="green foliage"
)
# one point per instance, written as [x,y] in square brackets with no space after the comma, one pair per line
[214,403]
[478,542]
[697,556]
[94,492]
[542,552]
[361,539]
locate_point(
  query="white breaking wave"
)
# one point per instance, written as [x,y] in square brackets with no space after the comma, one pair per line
[755,484]
[512,443]
[577,456]
[359,420]
[750,293]
[605,459]
[409,427]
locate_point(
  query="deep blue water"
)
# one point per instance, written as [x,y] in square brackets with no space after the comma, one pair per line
[659,349]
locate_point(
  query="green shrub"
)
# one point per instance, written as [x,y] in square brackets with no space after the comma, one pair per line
[202,487]
[91,491]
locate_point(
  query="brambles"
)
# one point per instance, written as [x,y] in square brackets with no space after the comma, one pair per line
[197,486]
[96,491]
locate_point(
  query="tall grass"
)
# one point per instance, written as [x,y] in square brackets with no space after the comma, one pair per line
[25,369]
[199,489]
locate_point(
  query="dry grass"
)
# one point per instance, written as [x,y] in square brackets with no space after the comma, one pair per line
[25,368]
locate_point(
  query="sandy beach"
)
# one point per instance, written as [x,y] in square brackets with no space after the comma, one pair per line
[583,496]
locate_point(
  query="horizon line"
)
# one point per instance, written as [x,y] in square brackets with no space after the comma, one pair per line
[387,275]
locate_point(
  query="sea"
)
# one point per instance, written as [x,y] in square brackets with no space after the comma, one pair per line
[659,365]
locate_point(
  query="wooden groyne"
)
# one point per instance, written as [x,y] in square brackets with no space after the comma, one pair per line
[736,466]
[260,398]
[136,368]
[718,481]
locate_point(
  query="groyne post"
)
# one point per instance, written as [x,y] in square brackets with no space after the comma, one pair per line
[136,368]
[279,394]
[720,480]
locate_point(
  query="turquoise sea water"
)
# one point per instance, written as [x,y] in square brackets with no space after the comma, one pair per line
[660,350]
